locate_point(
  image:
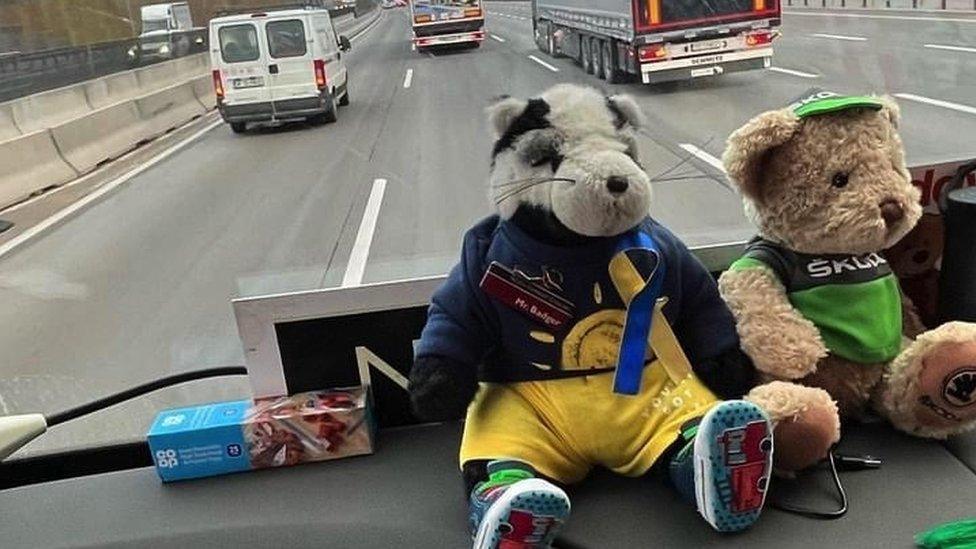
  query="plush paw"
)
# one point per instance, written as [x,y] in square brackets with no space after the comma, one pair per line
[931,387]
[441,388]
[778,339]
[806,423]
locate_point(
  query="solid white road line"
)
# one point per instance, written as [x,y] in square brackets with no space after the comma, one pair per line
[801,74]
[75,207]
[937,102]
[543,63]
[497,38]
[364,238]
[871,16]
[704,156]
[408,79]
[841,37]
[950,48]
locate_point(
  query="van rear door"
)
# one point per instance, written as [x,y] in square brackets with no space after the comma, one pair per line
[290,59]
[243,68]
[328,48]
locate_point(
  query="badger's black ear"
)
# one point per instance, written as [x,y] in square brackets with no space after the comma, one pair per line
[503,112]
[626,110]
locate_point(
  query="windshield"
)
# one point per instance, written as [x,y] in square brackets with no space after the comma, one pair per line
[150,25]
[252,156]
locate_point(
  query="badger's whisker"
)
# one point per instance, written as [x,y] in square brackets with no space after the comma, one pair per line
[532,180]
[508,193]
[682,162]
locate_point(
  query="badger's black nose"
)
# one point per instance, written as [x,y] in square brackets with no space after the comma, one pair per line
[617,185]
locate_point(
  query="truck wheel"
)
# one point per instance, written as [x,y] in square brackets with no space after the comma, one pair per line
[611,73]
[596,49]
[238,127]
[585,58]
[344,102]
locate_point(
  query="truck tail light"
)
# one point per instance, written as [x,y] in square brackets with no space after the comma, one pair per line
[652,52]
[421,19]
[320,79]
[472,12]
[218,85]
[759,5]
[759,38]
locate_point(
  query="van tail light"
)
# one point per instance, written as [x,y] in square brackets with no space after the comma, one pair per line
[320,79]
[652,53]
[218,85]
[759,38]
[472,12]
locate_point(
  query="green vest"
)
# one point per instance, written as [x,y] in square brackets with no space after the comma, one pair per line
[853,300]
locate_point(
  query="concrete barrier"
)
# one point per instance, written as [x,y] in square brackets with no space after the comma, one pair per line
[192,66]
[168,108]
[204,91]
[44,110]
[30,163]
[156,76]
[112,89]
[8,128]
[102,135]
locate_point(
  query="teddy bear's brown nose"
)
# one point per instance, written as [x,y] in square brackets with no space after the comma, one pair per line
[891,211]
[617,185]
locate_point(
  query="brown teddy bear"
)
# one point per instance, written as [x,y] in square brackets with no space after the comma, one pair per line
[915,261]
[825,182]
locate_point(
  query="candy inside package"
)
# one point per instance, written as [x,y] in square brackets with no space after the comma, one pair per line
[228,437]
[308,427]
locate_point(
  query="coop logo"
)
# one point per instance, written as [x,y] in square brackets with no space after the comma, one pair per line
[821,268]
[959,388]
[174,420]
[166,459]
[234,450]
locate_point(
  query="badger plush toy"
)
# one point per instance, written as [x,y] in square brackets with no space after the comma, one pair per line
[577,331]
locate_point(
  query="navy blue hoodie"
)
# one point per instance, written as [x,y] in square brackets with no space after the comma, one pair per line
[473,328]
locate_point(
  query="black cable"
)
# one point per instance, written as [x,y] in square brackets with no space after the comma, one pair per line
[140,390]
[822,515]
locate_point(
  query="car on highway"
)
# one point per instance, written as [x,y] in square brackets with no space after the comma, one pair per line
[273,66]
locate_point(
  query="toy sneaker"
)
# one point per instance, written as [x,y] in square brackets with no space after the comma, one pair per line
[725,465]
[515,510]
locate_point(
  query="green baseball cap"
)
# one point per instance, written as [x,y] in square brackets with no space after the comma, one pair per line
[816,102]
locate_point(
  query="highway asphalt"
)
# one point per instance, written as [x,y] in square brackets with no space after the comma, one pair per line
[139,285]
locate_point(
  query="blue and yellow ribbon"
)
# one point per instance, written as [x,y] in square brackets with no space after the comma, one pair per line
[637,271]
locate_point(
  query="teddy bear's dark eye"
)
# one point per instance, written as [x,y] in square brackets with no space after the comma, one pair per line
[839,180]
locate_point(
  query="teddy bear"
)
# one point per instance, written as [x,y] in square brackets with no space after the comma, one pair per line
[915,261]
[577,331]
[815,301]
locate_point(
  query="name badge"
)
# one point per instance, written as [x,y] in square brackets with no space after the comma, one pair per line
[530,296]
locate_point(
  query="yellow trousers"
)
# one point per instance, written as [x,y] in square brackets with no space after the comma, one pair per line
[563,427]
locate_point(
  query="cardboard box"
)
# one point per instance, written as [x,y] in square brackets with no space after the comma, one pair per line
[229,437]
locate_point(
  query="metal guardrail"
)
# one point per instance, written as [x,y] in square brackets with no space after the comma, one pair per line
[26,73]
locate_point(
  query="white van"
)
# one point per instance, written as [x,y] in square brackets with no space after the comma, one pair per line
[278,65]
